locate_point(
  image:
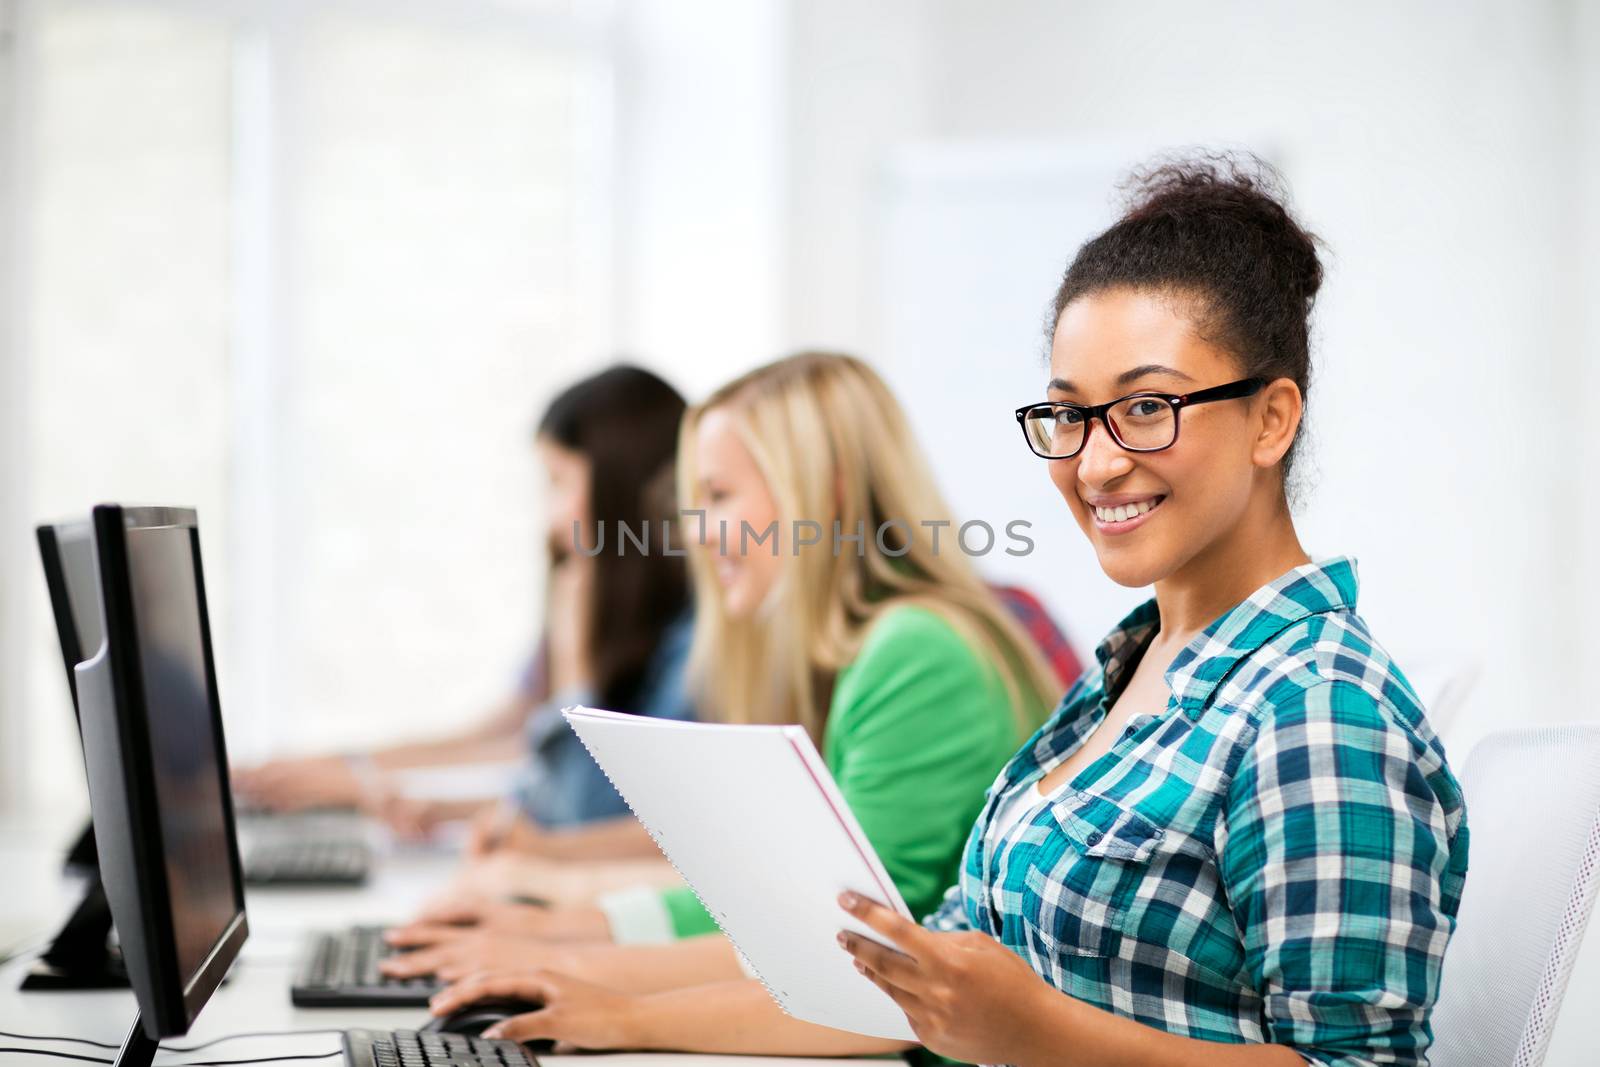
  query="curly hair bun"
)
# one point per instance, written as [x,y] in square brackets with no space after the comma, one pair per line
[1214,227]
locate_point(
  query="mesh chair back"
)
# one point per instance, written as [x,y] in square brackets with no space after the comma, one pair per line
[1533,812]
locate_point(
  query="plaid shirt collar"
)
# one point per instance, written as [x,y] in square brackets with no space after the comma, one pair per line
[1196,671]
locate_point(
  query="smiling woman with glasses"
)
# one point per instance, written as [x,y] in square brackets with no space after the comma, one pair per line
[1237,840]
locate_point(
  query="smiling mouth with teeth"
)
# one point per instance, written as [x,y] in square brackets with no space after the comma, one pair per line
[1125,512]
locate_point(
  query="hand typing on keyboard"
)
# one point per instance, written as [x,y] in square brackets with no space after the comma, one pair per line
[575,1015]
[459,953]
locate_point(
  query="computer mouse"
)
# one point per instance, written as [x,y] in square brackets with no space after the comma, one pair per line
[473,1019]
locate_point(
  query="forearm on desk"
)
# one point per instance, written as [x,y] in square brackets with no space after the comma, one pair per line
[457,809]
[447,751]
[697,961]
[570,884]
[497,737]
[739,1018]
[619,838]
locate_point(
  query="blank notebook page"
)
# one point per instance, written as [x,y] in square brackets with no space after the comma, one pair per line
[753,821]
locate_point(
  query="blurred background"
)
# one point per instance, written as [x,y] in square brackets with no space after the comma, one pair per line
[315,266]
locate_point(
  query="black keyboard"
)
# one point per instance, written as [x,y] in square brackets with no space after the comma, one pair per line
[408,1048]
[340,970]
[334,862]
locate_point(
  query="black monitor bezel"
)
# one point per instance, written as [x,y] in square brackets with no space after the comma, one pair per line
[130,841]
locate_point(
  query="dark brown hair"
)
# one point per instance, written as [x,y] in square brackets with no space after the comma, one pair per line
[624,421]
[1213,230]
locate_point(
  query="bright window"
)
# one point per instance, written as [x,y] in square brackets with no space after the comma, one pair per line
[316,277]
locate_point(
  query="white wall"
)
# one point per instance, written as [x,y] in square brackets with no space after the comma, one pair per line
[13,525]
[1586,47]
[972,235]
[700,186]
[858,87]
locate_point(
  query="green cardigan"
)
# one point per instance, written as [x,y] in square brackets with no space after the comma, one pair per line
[918,727]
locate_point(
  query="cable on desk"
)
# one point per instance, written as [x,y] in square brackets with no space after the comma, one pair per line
[256,1033]
[57,1055]
[68,1040]
[259,1059]
[170,1048]
[190,1063]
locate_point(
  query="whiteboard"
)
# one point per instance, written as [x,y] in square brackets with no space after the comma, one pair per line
[976,239]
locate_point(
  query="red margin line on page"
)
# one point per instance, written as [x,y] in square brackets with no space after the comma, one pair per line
[842,824]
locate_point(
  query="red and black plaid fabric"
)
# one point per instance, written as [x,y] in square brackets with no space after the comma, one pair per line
[1025,607]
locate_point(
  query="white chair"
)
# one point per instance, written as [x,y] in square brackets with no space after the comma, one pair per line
[1445,681]
[1533,810]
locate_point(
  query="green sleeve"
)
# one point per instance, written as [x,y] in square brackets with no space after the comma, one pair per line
[918,727]
[689,918]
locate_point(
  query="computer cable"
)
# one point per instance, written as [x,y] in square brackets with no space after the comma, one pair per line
[66,1040]
[255,1033]
[171,1048]
[189,1063]
[259,1059]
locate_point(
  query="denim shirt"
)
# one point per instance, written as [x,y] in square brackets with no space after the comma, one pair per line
[562,785]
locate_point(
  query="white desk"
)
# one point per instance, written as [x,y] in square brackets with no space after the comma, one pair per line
[256,995]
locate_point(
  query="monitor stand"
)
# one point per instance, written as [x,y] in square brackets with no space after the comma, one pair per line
[138,1049]
[81,956]
[82,857]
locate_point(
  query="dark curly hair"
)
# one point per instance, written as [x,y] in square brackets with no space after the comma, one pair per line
[1213,230]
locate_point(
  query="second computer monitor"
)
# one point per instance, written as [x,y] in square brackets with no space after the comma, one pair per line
[67,551]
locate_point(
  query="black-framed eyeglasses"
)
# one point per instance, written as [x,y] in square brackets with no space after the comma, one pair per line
[1139,422]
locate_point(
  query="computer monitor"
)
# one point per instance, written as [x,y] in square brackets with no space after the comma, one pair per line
[66,550]
[314,850]
[158,771]
[79,956]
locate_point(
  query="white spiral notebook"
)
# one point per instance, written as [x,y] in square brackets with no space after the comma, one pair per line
[753,821]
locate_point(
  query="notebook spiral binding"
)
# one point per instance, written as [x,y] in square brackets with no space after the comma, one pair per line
[749,964]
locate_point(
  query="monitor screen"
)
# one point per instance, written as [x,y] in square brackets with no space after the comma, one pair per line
[189,783]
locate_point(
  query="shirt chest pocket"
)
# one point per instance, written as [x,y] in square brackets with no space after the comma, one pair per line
[1087,877]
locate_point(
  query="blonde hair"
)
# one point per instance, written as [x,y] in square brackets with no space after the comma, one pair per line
[834,447]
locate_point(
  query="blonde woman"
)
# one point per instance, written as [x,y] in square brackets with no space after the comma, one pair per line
[912,678]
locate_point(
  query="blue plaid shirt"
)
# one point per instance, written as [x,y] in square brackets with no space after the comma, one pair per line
[1276,857]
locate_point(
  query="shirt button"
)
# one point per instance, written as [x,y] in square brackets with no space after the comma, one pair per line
[1094,838]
